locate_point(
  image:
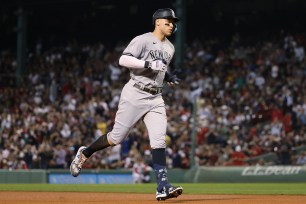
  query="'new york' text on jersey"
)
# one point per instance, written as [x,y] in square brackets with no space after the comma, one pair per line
[149,48]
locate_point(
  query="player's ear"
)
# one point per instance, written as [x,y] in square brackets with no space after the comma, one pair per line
[157,22]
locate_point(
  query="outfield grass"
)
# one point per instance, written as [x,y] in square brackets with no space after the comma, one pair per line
[198,188]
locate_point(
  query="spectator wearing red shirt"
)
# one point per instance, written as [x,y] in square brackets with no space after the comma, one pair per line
[287,123]
[237,157]
[276,113]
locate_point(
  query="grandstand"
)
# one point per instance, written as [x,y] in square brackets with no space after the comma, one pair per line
[246,67]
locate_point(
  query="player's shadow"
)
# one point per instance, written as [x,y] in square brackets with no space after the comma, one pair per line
[200,199]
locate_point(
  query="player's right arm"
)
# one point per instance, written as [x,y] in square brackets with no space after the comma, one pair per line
[134,63]
[131,56]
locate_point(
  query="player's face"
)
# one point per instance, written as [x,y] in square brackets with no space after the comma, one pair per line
[166,26]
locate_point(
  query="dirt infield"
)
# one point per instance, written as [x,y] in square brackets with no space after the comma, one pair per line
[131,198]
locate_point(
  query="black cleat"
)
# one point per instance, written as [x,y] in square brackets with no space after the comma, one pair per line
[169,192]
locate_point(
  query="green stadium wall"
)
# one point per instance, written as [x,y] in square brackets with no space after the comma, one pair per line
[247,174]
[23,176]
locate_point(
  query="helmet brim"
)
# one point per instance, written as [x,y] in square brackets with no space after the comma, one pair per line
[170,17]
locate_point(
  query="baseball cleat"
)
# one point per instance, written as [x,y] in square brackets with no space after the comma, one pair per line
[77,163]
[169,192]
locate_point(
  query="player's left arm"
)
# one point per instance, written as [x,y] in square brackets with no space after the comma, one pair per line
[172,79]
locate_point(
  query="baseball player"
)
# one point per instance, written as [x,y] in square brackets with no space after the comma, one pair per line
[147,56]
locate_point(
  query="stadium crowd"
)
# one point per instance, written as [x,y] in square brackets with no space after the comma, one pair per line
[250,96]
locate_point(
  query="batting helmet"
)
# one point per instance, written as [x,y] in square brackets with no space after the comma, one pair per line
[164,13]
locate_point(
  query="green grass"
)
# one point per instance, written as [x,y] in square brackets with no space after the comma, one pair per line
[199,188]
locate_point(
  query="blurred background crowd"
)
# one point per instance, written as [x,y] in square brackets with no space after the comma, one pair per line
[245,94]
[251,101]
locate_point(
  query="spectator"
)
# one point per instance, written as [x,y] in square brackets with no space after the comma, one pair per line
[301,159]
[59,157]
[141,171]
[237,157]
[252,96]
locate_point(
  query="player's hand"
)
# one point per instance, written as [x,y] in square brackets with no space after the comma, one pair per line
[158,65]
[172,79]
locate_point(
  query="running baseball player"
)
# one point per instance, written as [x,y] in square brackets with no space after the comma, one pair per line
[147,56]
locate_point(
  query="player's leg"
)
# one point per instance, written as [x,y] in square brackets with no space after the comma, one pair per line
[156,123]
[85,152]
[129,112]
[116,136]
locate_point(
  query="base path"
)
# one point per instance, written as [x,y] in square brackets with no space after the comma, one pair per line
[132,198]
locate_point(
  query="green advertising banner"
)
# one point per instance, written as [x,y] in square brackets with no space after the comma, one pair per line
[247,174]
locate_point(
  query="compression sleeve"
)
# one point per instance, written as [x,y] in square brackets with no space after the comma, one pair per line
[132,62]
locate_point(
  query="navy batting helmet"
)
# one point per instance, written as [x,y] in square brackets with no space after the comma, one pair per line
[164,13]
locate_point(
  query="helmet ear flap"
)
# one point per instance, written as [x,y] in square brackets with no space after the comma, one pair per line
[175,27]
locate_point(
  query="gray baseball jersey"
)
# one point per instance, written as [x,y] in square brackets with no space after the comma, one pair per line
[135,104]
[148,48]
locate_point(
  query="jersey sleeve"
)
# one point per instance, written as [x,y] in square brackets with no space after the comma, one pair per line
[135,48]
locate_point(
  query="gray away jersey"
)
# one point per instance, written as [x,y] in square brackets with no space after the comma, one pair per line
[149,48]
